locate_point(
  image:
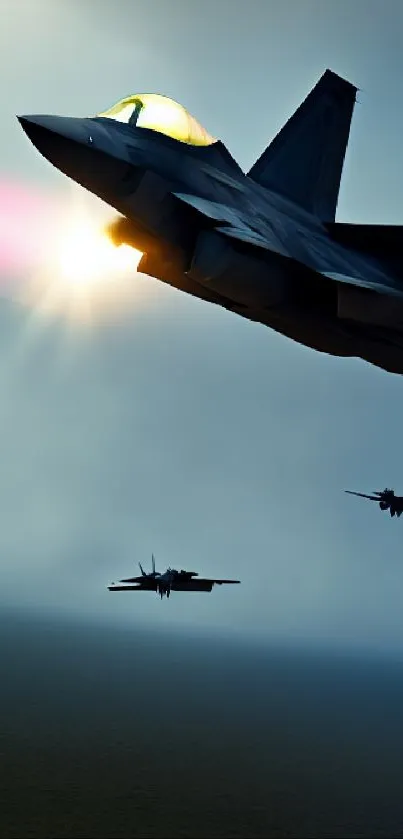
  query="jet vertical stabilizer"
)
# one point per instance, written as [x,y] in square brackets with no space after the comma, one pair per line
[304,162]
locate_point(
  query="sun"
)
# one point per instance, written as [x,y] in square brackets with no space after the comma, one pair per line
[86,257]
[82,274]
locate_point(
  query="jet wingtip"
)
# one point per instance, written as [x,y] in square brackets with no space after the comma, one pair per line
[227,582]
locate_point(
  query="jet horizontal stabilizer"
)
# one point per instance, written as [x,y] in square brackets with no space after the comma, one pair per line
[383,241]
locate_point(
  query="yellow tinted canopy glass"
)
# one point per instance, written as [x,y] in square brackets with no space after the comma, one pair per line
[159,113]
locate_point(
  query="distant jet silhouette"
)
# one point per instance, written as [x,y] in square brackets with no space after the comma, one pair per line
[386,499]
[170,580]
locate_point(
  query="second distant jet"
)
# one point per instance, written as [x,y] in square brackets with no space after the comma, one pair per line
[386,499]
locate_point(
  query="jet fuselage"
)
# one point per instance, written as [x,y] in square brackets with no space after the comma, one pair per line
[208,229]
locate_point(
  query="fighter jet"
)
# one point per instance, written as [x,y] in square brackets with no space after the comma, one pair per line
[170,580]
[263,244]
[386,499]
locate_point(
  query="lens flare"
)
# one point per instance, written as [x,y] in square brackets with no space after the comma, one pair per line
[24,216]
[87,257]
[56,256]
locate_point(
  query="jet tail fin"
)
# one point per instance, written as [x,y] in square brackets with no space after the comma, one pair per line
[304,162]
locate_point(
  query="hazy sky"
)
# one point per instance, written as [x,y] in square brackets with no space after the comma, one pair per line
[184,430]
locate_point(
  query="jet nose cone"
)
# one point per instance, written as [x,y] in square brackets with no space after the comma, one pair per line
[34,127]
[48,132]
[69,143]
[33,123]
[24,122]
[83,149]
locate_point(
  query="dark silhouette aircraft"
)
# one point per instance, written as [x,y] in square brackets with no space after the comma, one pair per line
[265,244]
[170,580]
[386,499]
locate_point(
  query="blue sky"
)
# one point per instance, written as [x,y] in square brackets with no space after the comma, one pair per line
[183,430]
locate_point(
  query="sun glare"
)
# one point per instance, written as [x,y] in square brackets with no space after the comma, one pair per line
[87,257]
[83,275]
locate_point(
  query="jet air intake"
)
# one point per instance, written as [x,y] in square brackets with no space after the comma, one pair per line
[247,280]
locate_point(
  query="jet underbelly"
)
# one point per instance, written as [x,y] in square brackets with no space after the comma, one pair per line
[238,276]
[370,307]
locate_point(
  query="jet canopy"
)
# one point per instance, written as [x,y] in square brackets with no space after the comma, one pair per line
[159,113]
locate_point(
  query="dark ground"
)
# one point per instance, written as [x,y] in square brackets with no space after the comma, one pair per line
[124,733]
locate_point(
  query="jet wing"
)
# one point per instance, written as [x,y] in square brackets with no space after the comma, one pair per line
[192,585]
[209,209]
[149,587]
[251,237]
[233,223]
[224,582]
[198,585]
[217,582]
[362,495]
